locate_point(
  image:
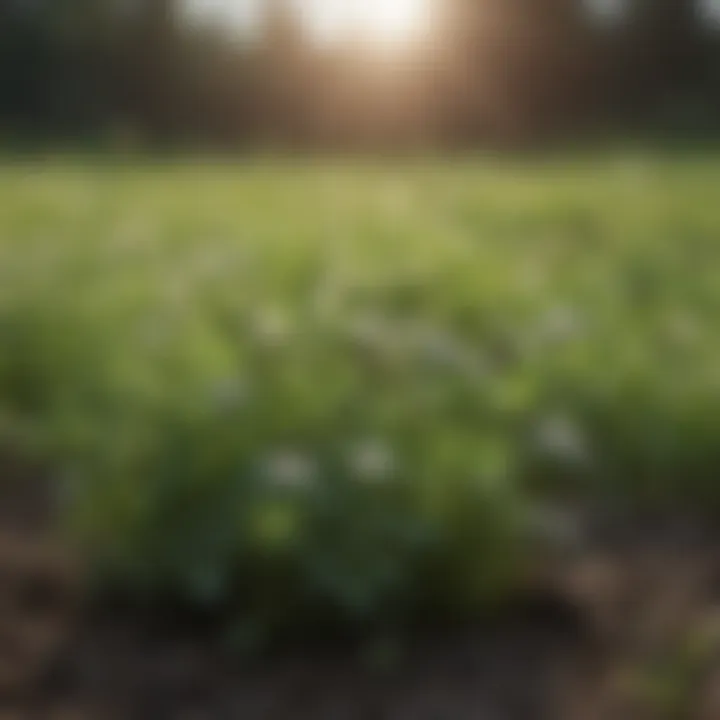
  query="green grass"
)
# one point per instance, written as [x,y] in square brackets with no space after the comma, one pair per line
[344,385]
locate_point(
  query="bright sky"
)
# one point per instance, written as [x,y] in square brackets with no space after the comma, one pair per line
[384,19]
[389,19]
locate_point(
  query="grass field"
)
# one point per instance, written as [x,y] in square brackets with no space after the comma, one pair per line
[346,385]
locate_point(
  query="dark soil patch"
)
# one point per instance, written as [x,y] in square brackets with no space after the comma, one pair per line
[612,656]
[628,629]
[509,672]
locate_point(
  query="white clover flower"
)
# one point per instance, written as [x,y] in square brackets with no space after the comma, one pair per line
[372,460]
[272,326]
[562,437]
[289,469]
[229,394]
[561,322]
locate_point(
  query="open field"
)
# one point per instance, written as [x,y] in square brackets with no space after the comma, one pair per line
[349,386]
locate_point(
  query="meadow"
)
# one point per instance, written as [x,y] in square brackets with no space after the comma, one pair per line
[355,388]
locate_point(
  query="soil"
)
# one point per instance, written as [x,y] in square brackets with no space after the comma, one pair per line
[628,630]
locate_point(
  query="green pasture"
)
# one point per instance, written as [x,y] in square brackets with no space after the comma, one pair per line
[351,387]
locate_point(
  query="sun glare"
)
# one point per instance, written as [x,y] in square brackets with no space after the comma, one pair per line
[384,21]
[394,19]
[379,20]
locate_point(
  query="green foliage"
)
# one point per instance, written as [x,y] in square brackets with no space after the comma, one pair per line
[294,387]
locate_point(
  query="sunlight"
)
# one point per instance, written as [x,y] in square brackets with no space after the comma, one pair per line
[393,20]
[384,21]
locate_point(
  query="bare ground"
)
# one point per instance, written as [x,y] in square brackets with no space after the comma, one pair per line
[630,629]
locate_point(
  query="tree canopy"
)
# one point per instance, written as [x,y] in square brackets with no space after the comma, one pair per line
[488,70]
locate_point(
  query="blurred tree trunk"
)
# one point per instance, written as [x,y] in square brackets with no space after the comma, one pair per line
[283,74]
[150,64]
[514,69]
[553,56]
[666,49]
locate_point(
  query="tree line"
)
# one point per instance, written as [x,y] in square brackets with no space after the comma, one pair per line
[509,71]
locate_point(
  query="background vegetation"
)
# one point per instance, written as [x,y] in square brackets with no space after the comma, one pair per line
[492,71]
[356,392]
[356,388]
